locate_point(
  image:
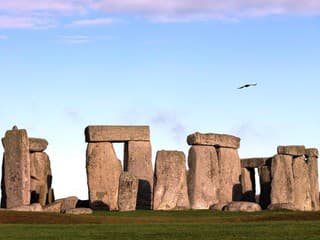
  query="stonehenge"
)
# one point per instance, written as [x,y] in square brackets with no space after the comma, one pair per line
[26,172]
[212,176]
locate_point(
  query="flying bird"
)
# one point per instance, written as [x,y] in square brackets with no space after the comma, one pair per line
[248,85]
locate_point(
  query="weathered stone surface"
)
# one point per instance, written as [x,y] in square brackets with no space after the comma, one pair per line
[117,133]
[312,152]
[265,186]
[137,161]
[67,203]
[79,211]
[128,189]
[103,173]
[255,162]
[40,173]
[282,180]
[37,144]
[292,150]
[213,139]
[50,197]
[230,174]
[170,191]
[313,179]
[16,168]
[282,206]
[302,189]
[248,184]
[35,207]
[242,207]
[3,188]
[53,207]
[218,206]
[203,177]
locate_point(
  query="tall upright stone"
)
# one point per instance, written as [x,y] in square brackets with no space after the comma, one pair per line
[265,186]
[103,172]
[137,161]
[282,180]
[248,184]
[16,168]
[40,177]
[312,161]
[128,189]
[170,191]
[230,174]
[302,188]
[203,177]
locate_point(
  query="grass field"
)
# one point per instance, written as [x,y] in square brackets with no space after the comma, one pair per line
[161,225]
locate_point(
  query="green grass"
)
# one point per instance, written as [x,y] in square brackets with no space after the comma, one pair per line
[166,225]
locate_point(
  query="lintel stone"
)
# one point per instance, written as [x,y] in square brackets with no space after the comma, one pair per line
[37,144]
[117,133]
[255,162]
[213,139]
[297,150]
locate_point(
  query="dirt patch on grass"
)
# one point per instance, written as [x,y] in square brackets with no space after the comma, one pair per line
[10,217]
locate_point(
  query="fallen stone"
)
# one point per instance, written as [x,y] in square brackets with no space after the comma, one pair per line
[128,189]
[35,207]
[218,206]
[242,207]
[37,144]
[248,184]
[67,203]
[53,207]
[103,173]
[213,139]
[170,192]
[265,186]
[255,162]
[302,188]
[312,152]
[16,168]
[282,206]
[79,211]
[203,177]
[117,133]
[282,186]
[292,150]
[230,174]
[138,162]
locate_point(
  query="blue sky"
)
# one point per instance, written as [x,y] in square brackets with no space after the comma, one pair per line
[176,67]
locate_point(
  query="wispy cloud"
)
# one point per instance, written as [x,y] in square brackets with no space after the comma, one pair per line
[7,22]
[155,10]
[3,37]
[93,22]
[74,39]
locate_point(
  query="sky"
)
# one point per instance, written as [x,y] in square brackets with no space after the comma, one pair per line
[173,65]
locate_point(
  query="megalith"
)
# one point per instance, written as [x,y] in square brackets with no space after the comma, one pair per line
[16,168]
[128,189]
[265,186]
[103,172]
[312,161]
[170,187]
[214,169]
[248,184]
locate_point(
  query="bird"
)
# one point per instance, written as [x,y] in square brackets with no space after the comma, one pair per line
[15,127]
[248,85]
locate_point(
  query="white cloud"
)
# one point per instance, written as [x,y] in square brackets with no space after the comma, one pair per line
[93,22]
[74,39]
[7,22]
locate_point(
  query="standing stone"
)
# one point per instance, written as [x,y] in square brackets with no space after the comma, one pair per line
[302,189]
[40,177]
[282,180]
[137,161]
[248,184]
[230,174]
[265,186]
[103,172]
[128,189]
[312,155]
[16,168]
[203,177]
[170,191]
[3,187]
